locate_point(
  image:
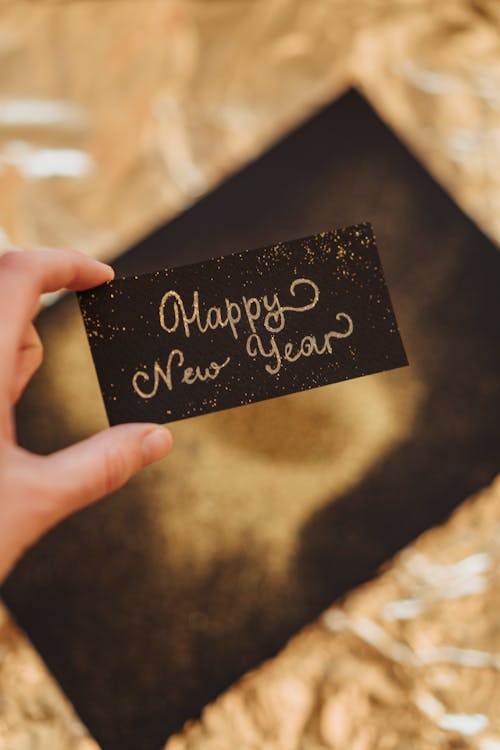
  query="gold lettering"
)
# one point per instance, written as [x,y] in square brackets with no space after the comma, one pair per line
[338,334]
[214,318]
[189,376]
[158,374]
[275,313]
[178,309]
[233,315]
[192,375]
[273,352]
[251,316]
[306,348]
[172,311]
[309,305]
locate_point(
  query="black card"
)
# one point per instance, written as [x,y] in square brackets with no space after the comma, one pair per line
[242,328]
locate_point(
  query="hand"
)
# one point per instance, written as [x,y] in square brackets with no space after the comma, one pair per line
[36,492]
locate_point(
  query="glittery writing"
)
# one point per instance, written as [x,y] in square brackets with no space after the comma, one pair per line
[190,375]
[249,311]
[231,313]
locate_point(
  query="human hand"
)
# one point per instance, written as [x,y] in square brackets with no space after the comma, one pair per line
[36,492]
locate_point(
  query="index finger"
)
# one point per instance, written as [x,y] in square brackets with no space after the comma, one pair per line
[24,276]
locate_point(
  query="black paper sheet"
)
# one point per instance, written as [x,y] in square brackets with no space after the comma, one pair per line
[242,328]
[110,599]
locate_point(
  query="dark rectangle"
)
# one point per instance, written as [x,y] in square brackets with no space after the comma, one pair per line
[242,328]
[160,667]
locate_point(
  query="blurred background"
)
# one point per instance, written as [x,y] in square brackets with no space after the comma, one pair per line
[165,132]
[116,115]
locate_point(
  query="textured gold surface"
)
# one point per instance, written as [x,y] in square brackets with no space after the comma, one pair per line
[33,711]
[154,103]
[433,73]
[115,116]
[411,659]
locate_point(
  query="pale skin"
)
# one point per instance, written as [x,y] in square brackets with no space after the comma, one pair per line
[36,492]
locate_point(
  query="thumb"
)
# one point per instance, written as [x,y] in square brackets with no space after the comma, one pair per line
[101,464]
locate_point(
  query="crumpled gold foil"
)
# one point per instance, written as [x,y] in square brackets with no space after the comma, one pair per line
[411,659]
[433,73]
[114,117]
[33,711]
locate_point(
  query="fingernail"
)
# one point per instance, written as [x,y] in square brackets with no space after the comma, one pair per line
[156,444]
[110,270]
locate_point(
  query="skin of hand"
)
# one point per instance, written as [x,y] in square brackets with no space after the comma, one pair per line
[36,492]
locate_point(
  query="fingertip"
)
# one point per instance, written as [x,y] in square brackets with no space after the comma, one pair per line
[88,262]
[110,271]
[156,444]
[106,272]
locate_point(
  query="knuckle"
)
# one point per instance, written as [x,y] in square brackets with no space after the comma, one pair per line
[43,494]
[13,260]
[115,469]
[20,265]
